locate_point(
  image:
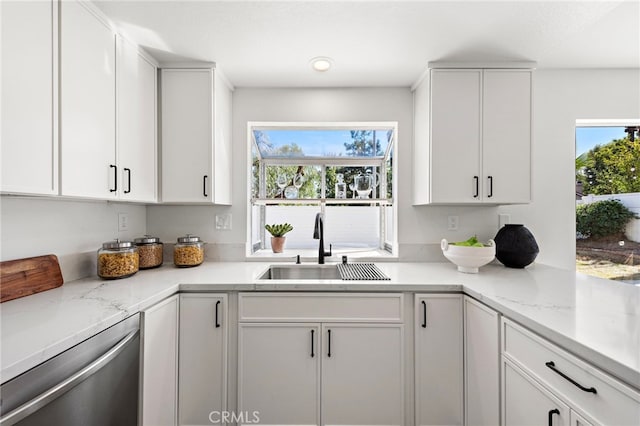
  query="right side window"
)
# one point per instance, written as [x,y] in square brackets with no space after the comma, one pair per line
[608,202]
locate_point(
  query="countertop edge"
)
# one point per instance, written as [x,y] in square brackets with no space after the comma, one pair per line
[624,373]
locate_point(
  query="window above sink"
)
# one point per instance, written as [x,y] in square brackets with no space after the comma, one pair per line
[344,170]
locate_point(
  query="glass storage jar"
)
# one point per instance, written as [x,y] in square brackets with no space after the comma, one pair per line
[188,251]
[117,259]
[149,251]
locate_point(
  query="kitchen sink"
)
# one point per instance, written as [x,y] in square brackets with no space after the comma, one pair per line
[301,272]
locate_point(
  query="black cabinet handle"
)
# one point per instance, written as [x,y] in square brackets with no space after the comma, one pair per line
[551,413]
[217,322]
[476,179]
[115,177]
[490,186]
[128,190]
[424,314]
[204,185]
[329,346]
[312,339]
[552,366]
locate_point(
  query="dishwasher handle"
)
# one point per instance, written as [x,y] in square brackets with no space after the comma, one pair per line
[61,388]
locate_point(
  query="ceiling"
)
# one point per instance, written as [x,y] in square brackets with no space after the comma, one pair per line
[378,43]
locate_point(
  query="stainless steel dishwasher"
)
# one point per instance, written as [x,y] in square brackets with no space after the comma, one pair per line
[92,384]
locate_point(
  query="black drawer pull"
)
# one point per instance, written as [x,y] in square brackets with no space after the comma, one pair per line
[490,186]
[204,185]
[115,177]
[128,190]
[329,339]
[477,181]
[217,322]
[312,341]
[552,366]
[424,314]
[551,413]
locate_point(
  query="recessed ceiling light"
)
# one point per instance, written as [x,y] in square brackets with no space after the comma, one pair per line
[321,63]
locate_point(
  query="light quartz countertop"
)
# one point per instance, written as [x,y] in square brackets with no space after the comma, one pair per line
[595,319]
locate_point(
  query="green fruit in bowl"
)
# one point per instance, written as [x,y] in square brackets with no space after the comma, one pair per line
[471,242]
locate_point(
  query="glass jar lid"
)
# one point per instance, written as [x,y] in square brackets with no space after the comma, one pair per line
[189,239]
[147,239]
[117,244]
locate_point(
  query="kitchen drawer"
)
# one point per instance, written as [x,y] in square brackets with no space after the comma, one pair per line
[613,404]
[320,307]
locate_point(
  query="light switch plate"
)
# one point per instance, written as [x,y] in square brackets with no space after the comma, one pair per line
[452,223]
[123,221]
[223,222]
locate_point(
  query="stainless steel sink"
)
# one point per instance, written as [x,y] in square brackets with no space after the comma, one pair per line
[301,272]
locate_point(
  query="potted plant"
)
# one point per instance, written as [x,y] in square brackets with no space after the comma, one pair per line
[277,235]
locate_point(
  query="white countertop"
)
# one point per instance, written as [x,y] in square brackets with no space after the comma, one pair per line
[597,320]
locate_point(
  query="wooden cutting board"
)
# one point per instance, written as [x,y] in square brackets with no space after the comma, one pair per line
[22,277]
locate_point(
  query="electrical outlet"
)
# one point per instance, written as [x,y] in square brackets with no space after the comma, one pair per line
[223,222]
[123,221]
[452,223]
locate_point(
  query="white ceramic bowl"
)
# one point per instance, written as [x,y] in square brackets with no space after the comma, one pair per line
[468,259]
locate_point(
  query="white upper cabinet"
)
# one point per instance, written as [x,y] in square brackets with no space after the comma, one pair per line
[455,135]
[472,137]
[29,147]
[506,136]
[136,124]
[196,137]
[87,104]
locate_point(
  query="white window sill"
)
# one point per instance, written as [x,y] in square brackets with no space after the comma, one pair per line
[311,255]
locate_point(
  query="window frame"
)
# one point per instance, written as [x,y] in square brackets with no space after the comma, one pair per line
[388,247]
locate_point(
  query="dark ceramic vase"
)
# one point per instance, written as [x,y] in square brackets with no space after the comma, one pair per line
[515,246]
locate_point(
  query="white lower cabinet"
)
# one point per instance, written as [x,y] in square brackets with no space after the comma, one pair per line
[481,364]
[578,420]
[438,359]
[279,372]
[528,403]
[159,363]
[362,374]
[202,370]
[326,372]
[594,397]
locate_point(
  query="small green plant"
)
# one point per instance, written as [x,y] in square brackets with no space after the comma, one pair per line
[602,218]
[278,230]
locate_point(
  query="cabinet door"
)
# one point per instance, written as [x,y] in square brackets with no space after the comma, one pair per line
[187,135]
[87,104]
[159,363]
[29,141]
[506,136]
[481,364]
[455,136]
[578,420]
[279,372]
[136,124]
[203,361]
[439,359]
[527,403]
[362,374]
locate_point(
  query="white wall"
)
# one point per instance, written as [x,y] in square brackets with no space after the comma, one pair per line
[560,98]
[417,225]
[72,230]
